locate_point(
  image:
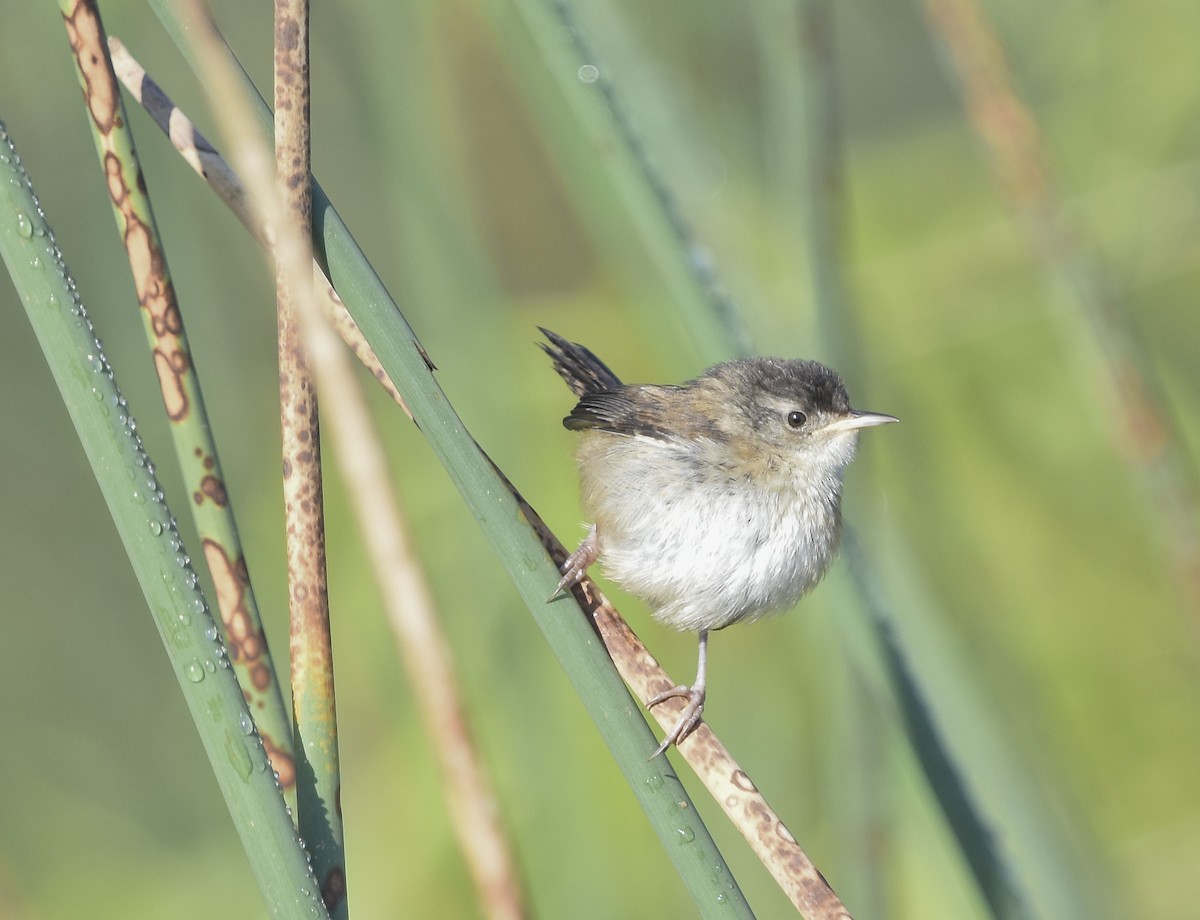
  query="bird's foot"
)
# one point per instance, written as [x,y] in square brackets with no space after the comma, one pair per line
[688,719]
[577,564]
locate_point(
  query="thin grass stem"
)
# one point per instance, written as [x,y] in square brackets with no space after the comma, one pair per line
[314,710]
[179,382]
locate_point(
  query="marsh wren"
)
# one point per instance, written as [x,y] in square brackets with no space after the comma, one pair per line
[715,501]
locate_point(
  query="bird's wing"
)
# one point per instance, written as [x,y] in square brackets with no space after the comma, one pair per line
[632,410]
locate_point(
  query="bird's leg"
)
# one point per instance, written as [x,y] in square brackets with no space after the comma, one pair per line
[690,716]
[577,564]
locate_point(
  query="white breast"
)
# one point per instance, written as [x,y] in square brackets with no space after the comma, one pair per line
[703,547]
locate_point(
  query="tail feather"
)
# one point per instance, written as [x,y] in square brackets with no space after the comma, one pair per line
[584,373]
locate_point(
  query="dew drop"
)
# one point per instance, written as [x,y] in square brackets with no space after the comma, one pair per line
[258,757]
[211,633]
[156,528]
[686,834]
[235,750]
[24,225]
[589,73]
[194,671]
[246,724]
[654,781]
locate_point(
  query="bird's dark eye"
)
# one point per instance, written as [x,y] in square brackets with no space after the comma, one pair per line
[796,418]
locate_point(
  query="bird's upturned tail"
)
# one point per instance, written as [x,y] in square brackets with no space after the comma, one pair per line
[583,371]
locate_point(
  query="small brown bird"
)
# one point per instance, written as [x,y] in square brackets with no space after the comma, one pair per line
[715,501]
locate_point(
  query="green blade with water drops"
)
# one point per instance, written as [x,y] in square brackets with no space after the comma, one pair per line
[126,477]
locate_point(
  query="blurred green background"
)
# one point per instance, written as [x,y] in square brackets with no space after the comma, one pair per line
[443,139]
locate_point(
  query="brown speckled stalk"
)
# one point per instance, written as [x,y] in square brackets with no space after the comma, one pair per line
[318,789]
[190,431]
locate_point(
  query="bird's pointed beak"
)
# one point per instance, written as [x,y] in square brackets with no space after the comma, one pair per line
[856,419]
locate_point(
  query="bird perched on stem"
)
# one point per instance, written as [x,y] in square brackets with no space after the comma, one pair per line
[715,501]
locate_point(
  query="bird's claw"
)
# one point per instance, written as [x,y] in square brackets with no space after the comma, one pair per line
[577,565]
[689,718]
[573,571]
